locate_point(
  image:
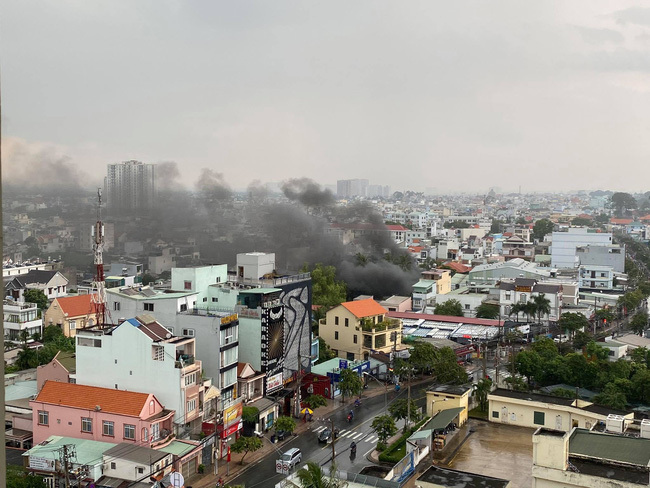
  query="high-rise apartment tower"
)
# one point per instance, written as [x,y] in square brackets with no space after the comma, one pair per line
[130,185]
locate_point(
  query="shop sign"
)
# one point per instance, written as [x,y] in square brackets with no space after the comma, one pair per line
[232,413]
[273,382]
[41,464]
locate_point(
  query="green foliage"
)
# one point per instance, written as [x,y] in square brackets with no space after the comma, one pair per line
[246,444]
[456,224]
[423,356]
[573,322]
[446,368]
[325,352]
[516,383]
[315,401]
[349,383]
[611,396]
[622,202]
[18,477]
[542,306]
[541,228]
[313,476]
[487,311]
[399,409]
[250,414]
[384,426]
[148,278]
[580,339]
[641,356]
[451,307]
[581,222]
[528,364]
[326,289]
[639,322]
[397,450]
[563,393]
[285,423]
[37,297]
[495,227]
[481,392]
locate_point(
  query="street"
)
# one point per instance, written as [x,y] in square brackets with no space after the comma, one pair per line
[359,430]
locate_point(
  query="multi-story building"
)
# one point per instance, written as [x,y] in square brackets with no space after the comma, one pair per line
[424,294]
[142,355]
[100,414]
[522,290]
[607,255]
[516,247]
[72,313]
[351,188]
[354,329]
[564,245]
[21,317]
[130,185]
[596,277]
[52,283]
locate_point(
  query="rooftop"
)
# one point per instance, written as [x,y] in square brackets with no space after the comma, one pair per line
[459,479]
[364,308]
[629,450]
[450,389]
[88,452]
[137,454]
[76,306]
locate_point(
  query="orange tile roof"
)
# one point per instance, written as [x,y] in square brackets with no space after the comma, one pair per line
[621,221]
[88,397]
[458,267]
[76,306]
[364,308]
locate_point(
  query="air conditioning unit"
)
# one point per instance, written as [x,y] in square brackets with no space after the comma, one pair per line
[645,428]
[615,423]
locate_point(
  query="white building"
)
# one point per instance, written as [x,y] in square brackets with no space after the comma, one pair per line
[130,185]
[142,355]
[522,290]
[596,277]
[563,248]
[613,256]
[19,317]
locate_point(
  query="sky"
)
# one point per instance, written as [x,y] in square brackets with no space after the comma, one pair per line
[451,95]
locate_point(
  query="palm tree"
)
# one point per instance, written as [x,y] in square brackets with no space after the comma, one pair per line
[313,476]
[542,306]
[516,309]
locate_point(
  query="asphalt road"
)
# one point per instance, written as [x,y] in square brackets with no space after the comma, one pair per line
[263,473]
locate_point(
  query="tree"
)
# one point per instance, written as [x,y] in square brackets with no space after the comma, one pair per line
[384,426]
[284,423]
[349,383]
[326,289]
[446,368]
[622,202]
[451,307]
[639,322]
[250,414]
[572,322]
[495,227]
[604,315]
[325,352]
[541,228]
[641,386]
[399,409]
[641,356]
[52,333]
[315,401]
[423,356]
[487,311]
[580,339]
[37,297]
[313,476]
[611,396]
[581,221]
[18,477]
[516,309]
[246,445]
[542,306]
[481,392]
[148,278]
[528,364]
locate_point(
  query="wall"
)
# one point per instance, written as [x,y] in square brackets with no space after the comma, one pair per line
[563,250]
[447,401]
[613,256]
[200,279]
[345,343]
[52,371]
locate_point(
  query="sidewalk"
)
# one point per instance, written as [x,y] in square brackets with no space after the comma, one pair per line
[209,480]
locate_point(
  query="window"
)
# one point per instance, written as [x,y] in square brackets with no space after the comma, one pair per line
[336,335]
[191,405]
[336,321]
[355,338]
[129,431]
[183,307]
[152,406]
[145,434]
[507,296]
[350,356]
[43,417]
[109,428]
[158,353]
[116,306]
[155,432]
[522,298]
[113,466]
[495,414]
[140,470]
[538,418]
[467,306]
[73,324]
[86,424]
[190,379]
[188,332]
[205,299]
[187,285]
[85,341]
[148,307]
[215,299]
[347,322]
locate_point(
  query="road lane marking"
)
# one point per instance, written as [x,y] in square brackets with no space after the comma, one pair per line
[371,439]
[319,429]
[358,435]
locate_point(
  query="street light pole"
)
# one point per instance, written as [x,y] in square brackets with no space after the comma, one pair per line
[385,392]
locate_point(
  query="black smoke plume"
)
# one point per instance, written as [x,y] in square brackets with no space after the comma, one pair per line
[307,192]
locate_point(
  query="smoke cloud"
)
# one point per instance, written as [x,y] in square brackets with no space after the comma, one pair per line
[307,192]
[167,176]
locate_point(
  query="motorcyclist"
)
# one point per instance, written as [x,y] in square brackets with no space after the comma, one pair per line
[353,448]
[357,403]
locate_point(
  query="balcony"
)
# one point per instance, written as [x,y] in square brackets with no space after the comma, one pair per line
[388,324]
[184,360]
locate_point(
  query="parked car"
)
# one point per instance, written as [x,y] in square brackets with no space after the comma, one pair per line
[293,456]
[326,435]
[281,434]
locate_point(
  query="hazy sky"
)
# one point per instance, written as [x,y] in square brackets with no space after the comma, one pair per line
[458,95]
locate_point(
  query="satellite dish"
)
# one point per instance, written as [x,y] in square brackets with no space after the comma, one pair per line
[168,336]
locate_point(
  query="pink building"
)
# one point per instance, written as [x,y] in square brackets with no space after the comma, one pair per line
[62,369]
[100,414]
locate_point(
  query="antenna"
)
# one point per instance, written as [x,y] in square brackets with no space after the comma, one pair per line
[99,290]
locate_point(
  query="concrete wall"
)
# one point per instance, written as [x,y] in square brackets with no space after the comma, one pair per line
[345,343]
[613,256]
[563,249]
[439,401]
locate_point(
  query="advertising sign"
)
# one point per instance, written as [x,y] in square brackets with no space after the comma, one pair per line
[232,413]
[343,364]
[41,464]
[274,382]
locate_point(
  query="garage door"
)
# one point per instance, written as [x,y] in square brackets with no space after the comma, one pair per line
[189,468]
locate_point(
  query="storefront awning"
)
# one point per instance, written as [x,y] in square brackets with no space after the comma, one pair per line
[443,419]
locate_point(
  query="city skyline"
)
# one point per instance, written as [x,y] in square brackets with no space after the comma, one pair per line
[461,97]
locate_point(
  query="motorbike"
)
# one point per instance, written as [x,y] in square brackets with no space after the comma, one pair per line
[349,418]
[357,403]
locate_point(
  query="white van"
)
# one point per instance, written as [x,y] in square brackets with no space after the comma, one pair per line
[292,457]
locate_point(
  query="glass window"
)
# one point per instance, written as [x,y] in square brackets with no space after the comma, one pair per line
[336,321]
[129,431]
[336,335]
[73,324]
[108,428]
[43,417]
[187,285]
[538,418]
[86,424]
[148,307]
[495,414]
[355,338]
[347,322]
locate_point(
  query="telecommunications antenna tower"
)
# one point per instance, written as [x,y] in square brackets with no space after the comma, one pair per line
[99,290]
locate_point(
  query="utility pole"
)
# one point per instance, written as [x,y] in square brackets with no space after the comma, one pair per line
[485,356]
[333,442]
[408,398]
[66,453]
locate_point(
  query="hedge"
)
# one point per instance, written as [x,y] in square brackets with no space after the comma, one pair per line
[397,450]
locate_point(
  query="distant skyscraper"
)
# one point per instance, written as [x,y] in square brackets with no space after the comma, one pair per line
[351,188]
[130,185]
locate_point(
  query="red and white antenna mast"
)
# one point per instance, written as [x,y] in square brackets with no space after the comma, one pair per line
[99,289]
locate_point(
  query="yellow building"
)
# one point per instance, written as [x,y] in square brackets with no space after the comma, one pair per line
[449,397]
[534,410]
[442,277]
[355,328]
[71,313]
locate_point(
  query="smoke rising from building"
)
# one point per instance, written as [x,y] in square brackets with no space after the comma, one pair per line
[307,192]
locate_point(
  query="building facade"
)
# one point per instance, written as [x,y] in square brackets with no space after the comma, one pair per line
[130,185]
